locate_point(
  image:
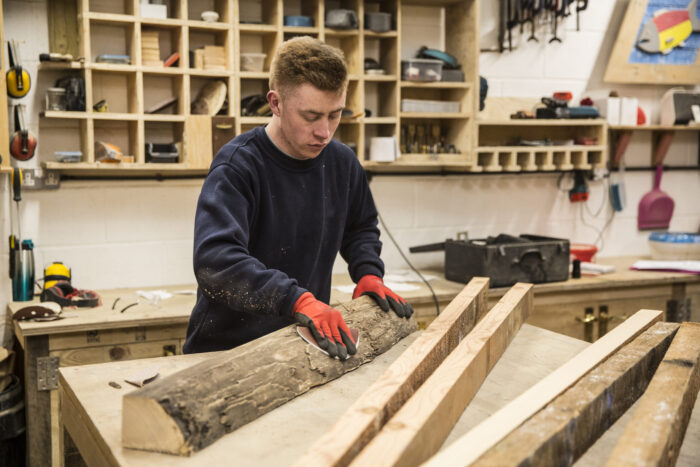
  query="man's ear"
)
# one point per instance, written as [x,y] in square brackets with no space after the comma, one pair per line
[273,98]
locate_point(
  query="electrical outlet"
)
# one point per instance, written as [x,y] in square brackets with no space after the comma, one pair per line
[40,179]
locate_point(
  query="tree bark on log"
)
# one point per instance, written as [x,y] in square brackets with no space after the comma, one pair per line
[189,410]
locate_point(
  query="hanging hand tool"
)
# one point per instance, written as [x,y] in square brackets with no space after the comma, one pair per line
[508,25]
[15,240]
[18,80]
[580,6]
[23,143]
[558,10]
[534,7]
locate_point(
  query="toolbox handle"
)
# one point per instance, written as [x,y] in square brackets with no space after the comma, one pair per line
[429,247]
[529,252]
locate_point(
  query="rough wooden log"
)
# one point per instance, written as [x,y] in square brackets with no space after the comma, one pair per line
[561,432]
[655,433]
[420,427]
[358,425]
[481,438]
[191,409]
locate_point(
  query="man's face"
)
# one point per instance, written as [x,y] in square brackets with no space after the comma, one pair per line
[308,119]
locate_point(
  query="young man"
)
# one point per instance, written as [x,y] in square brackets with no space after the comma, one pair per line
[278,205]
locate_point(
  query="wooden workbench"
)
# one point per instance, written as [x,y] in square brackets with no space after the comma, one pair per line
[104,334]
[91,409]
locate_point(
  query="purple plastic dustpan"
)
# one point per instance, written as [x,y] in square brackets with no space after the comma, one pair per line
[655,207]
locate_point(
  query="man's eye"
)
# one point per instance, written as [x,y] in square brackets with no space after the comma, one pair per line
[311,118]
[335,116]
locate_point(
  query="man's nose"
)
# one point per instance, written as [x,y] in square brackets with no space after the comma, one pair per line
[322,129]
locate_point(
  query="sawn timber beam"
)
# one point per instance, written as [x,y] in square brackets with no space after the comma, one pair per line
[362,420]
[471,446]
[194,407]
[655,432]
[420,427]
[562,431]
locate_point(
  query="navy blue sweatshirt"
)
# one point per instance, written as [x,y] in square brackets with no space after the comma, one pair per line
[268,228]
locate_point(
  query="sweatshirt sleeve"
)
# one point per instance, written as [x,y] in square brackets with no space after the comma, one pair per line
[225,271]
[361,246]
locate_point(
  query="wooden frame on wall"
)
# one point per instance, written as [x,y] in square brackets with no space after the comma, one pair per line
[620,70]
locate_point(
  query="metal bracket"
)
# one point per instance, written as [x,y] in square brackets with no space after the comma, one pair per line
[47,373]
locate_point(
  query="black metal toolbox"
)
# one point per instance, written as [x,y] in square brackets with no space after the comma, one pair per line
[504,259]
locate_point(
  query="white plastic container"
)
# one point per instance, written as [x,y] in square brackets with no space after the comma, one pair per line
[674,246]
[251,61]
[421,69]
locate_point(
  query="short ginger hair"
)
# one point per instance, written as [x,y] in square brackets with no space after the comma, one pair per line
[307,60]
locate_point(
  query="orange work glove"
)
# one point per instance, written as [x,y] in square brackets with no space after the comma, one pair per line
[326,325]
[374,287]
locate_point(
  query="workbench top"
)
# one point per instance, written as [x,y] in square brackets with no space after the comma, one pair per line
[178,308]
[91,409]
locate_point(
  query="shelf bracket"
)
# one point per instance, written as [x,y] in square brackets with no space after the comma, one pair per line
[661,146]
[623,140]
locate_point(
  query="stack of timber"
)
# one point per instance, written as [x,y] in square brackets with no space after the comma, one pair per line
[572,422]
[150,49]
[655,433]
[214,58]
[179,415]
[477,442]
[420,427]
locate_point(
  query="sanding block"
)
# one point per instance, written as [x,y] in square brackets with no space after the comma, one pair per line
[305,334]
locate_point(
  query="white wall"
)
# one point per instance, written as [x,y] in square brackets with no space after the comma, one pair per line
[129,233]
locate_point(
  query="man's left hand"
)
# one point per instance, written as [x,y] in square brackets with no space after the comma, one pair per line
[374,287]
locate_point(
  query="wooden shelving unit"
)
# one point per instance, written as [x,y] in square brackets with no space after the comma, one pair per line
[253,26]
[510,145]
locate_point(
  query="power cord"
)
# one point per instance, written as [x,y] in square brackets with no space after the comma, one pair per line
[599,241]
[386,229]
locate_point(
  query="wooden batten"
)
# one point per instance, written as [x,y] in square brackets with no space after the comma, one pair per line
[369,413]
[480,439]
[562,431]
[179,415]
[655,433]
[420,427]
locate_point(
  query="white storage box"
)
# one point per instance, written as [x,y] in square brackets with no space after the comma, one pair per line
[149,10]
[427,106]
[252,61]
[628,110]
[609,107]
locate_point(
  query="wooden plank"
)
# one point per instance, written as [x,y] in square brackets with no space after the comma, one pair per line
[179,415]
[386,395]
[420,427]
[4,120]
[75,421]
[471,446]
[63,27]
[132,335]
[37,404]
[561,432]
[198,151]
[121,352]
[655,433]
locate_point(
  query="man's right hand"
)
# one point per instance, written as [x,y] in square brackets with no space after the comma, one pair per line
[326,325]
